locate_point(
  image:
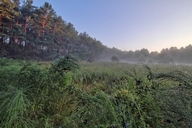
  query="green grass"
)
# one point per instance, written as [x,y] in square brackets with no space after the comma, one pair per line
[75,94]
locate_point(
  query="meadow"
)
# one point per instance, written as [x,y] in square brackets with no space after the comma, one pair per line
[71,94]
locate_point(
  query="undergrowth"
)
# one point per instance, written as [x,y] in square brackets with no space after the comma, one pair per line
[67,93]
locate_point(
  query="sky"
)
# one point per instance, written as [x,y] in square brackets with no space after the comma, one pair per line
[129,24]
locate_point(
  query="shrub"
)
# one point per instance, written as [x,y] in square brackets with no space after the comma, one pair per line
[114,58]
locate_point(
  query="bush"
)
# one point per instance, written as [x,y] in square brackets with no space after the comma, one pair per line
[114,58]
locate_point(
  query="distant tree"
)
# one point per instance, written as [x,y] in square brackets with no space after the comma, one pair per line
[154,56]
[144,52]
[150,61]
[142,59]
[166,60]
[114,58]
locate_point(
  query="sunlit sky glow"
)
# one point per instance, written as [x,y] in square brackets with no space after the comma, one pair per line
[130,24]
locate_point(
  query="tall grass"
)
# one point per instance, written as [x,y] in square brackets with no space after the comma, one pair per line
[67,93]
[14,106]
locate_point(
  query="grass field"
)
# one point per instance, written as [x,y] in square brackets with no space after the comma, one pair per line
[71,94]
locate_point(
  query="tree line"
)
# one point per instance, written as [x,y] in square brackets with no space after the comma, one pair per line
[172,55]
[30,32]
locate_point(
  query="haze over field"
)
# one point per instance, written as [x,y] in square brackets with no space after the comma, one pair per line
[146,32]
[130,25]
[95,63]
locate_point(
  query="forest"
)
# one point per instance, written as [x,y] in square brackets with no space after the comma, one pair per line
[38,33]
[52,76]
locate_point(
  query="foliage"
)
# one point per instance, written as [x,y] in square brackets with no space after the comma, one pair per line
[38,33]
[68,63]
[114,59]
[29,32]
[98,94]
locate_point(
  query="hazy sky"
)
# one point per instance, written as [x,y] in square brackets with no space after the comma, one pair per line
[130,24]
